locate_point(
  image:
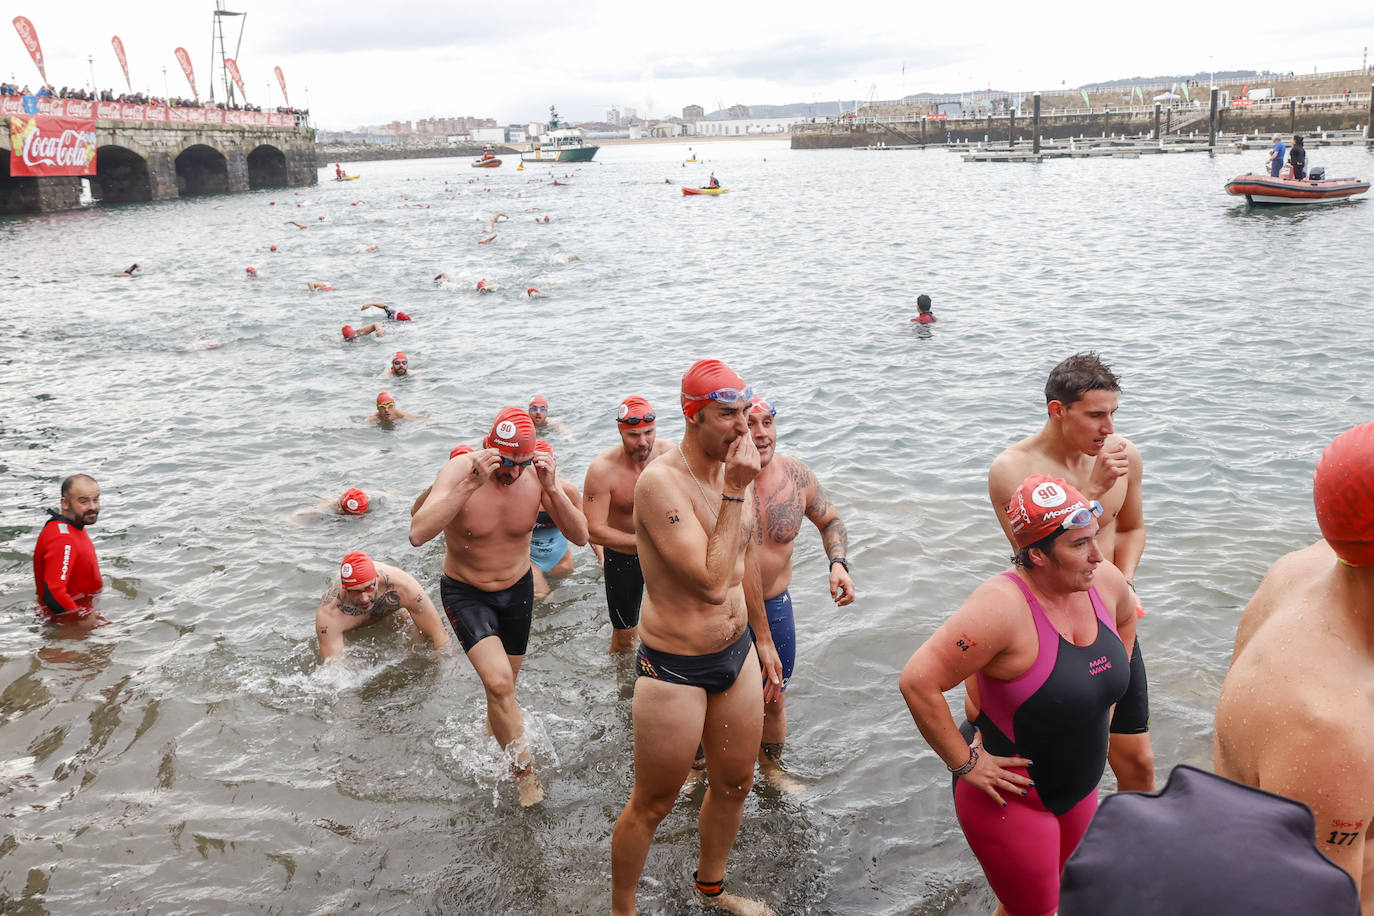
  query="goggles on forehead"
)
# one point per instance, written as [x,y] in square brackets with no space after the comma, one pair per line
[728,395]
[635,421]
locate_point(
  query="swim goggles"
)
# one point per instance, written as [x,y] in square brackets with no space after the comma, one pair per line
[635,421]
[729,395]
[1081,518]
[761,406]
[534,409]
[400,362]
[381,404]
[510,463]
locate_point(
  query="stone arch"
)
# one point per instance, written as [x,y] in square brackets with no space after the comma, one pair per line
[202,169]
[121,176]
[267,168]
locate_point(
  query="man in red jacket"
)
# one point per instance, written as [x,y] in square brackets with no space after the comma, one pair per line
[65,570]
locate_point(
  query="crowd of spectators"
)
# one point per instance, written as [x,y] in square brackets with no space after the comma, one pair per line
[138,98]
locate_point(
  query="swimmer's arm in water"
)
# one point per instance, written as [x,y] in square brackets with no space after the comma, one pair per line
[328,631]
[971,639]
[767,651]
[422,609]
[834,537]
[555,499]
[597,508]
[562,429]
[453,487]
[1130,521]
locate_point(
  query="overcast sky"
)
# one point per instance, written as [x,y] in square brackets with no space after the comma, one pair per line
[368,63]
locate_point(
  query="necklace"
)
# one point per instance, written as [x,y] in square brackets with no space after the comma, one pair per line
[710,508]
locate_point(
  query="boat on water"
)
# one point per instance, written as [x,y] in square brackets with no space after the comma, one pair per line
[1316,188]
[347,177]
[566,144]
[486,162]
[687,192]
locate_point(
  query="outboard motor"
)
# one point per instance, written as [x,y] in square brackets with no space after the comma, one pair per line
[1317,173]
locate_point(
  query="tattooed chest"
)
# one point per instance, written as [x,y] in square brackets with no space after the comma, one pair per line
[386,604]
[782,514]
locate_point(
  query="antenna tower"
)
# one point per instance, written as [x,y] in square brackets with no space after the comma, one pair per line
[218,73]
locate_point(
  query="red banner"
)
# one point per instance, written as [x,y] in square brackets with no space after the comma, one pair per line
[83,109]
[123,61]
[29,36]
[232,66]
[938,117]
[281,79]
[185,60]
[41,147]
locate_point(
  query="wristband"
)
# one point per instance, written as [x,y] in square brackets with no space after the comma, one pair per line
[732,499]
[968,767]
[842,561]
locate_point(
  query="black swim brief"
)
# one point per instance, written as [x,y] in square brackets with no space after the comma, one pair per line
[1132,714]
[714,673]
[624,588]
[476,614]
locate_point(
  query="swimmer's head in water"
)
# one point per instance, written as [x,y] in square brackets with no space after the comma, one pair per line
[1043,506]
[356,570]
[251,271]
[401,316]
[353,501]
[711,380]
[513,436]
[923,303]
[1343,492]
[386,406]
[400,363]
[538,410]
[460,450]
[349,333]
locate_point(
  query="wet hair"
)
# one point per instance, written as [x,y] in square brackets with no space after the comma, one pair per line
[68,482]
[1022,557]
[1076,376]
[923,302]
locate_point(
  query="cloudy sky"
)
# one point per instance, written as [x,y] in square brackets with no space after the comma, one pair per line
[370,63]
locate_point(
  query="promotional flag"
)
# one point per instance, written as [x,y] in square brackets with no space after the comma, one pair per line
[29,36]
[1087,103]
[281,78]
[42,146]
[232,66]
[185,60]
[123,61]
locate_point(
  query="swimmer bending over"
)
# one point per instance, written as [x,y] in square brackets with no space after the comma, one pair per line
[368,592]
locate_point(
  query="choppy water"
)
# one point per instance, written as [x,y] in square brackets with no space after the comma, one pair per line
[194,757]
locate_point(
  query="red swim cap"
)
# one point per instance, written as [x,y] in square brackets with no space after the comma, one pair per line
[385,398]
[481,284]
[356,569]
[708,376]
[402,316]
[353,501]
[1343,492]
[542,446]
[400,354]
[272,248]
[348,332]
[1040,506]
[512,433]
[635,408]
[460,450]
[538,401]
[758,405]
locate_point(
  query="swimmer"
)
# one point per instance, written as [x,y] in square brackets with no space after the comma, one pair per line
[486,508]
[486,240]
[391,314]
[292,222]
[272,248]
[569,258]
[550,552]
[441,280]
[251,272]
[609,506]
[132,271]
[536,293]
[496,219]
[785,491]
[66,571]
[367,592]
[1078,443]
[319,287]
[400,365]
[539,413]
[924,315]
[1049,643]
[352,502]
[350,334]
[387,411]
[369,249]
[1299,684]
[484,287]
[695,539]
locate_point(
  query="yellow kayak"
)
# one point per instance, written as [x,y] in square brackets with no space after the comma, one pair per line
[690,191]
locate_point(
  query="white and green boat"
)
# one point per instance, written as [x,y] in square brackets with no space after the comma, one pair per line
[562,145]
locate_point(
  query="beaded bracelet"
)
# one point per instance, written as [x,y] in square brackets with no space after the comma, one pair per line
[968,767]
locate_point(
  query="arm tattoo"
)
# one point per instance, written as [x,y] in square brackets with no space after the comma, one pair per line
[835,537]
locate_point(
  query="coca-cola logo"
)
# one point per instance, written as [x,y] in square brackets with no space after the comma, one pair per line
[108,111]
[68,150]
[80,109]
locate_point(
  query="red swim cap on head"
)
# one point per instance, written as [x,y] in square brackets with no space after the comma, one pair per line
[353,501]
[1343,492]
[348,332]
[402,316]
[538,401]
[705,377]
[634,407]
[758,405]
[542,446]
[1039,507]
[512,433]
[272,248]
[400,354]
[460,450]
[356,569]
[385,398]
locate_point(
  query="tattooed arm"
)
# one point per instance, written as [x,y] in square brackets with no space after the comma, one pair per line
[329,635]
[834,537]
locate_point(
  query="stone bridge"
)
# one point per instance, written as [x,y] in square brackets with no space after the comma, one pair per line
[142,160]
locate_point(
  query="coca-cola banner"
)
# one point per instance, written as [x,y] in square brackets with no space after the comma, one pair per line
[232,66]
[123,61]
[29,36]
[281,78]
[185,60]
[42,147]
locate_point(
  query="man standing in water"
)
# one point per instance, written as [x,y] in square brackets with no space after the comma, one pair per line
[609,501]
[1294,712]
[65,569]
[486,508]
[696,664]
[785,490]
[1078,443]
[367,593]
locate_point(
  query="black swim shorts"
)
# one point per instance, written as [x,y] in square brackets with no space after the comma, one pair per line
[624,588]
[476,614]
[714,673]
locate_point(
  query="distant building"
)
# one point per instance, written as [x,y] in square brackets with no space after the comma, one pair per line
[489,135]
[631,115]
[746,127]
[613,116]
[737,112]
[693,113]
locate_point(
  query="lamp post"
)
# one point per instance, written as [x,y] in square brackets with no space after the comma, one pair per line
[166,91]
[90,59]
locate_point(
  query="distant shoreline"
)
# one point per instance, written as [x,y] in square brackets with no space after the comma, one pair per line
[328,155]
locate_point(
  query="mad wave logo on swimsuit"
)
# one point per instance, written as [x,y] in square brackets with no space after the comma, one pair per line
[505,430]
[1048,496]
[347,570]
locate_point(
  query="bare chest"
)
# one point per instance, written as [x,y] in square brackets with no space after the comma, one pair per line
[496,511]
[780,504]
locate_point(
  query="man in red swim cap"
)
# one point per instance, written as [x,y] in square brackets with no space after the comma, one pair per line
[66,572]
[698,682]
[486,506]
[1294,713]
[786,490]
[1078,443]
[351,334]
[366,592]
[539,414]
[387,411]
[400,365]
[391,313]
[609,503]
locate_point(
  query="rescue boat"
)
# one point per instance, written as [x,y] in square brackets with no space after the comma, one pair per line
[1264,189]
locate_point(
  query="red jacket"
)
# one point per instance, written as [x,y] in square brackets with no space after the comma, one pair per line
[64,565]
